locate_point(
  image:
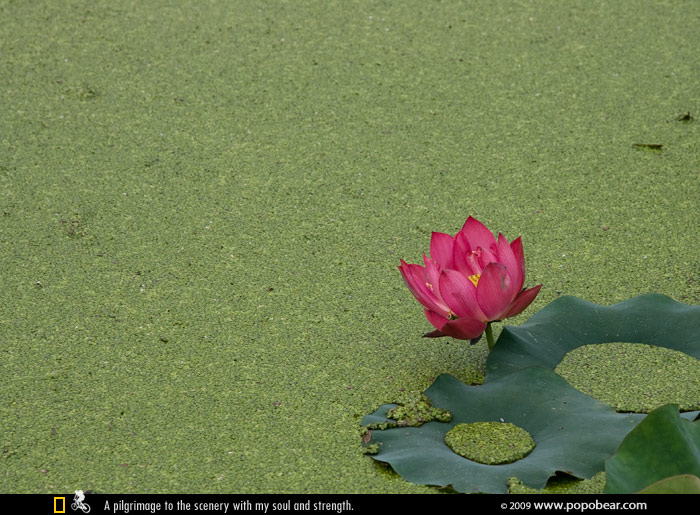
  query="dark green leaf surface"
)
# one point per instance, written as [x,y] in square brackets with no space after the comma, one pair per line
[663,445]
[564,423]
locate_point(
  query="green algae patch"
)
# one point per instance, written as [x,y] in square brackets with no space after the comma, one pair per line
[633,377]
[490,443]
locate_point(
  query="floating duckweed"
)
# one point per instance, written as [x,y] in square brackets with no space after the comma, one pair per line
[418,412]
[490,443]
[633,377]
[561,484]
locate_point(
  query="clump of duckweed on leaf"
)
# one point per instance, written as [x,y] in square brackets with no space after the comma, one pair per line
[633,377]
[490,443]
[366,438]
[371,449]
[418,412]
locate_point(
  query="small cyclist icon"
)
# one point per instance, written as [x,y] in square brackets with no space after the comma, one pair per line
[78,503]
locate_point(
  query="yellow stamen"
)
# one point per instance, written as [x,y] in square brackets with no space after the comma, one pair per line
[475,279]
[430,286]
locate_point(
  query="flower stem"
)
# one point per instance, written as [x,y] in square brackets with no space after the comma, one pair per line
[489,336]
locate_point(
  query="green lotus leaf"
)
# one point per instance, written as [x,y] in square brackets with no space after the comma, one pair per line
[681,484]
[662,445]
[572,432]
[570,324]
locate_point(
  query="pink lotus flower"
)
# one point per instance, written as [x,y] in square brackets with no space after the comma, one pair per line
[470,280]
